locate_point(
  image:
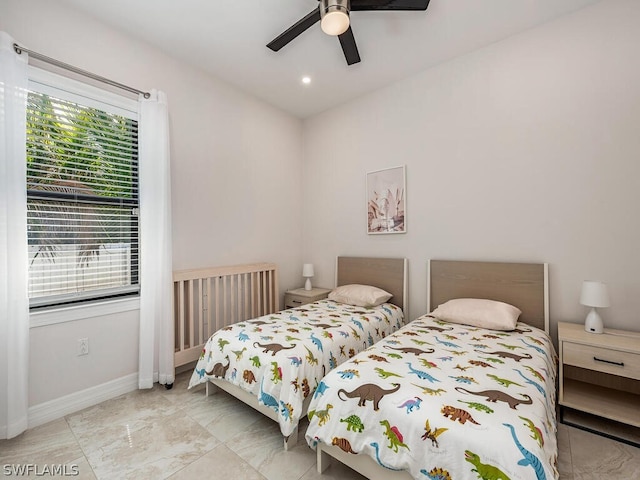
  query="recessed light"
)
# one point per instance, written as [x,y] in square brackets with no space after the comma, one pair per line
[306,80]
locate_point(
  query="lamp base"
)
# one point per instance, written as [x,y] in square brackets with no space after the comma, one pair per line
[307,284]
[593,322]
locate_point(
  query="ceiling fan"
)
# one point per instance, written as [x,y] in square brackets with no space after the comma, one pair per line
[334,20]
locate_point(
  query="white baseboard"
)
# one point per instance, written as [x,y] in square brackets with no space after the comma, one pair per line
[58,408]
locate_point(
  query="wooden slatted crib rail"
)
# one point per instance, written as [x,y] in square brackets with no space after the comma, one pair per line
[208,299]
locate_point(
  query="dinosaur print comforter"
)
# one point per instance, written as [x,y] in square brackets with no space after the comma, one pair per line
[280,358]
[445,401]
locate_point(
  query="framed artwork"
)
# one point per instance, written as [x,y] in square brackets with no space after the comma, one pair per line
[386,201]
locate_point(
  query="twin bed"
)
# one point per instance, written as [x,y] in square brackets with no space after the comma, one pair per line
[275,362]
[431,399]
[441,400]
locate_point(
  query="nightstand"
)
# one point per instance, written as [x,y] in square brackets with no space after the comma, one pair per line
[600,373]
[299,296]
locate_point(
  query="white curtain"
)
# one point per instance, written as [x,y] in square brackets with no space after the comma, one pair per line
[156,280]
[14,300]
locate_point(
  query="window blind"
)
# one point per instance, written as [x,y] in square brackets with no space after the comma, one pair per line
[82,201]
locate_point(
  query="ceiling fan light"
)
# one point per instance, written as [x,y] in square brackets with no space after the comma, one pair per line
[335,16]
[335,23]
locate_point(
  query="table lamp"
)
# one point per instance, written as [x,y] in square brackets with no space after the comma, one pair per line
[595,295]
[307,272]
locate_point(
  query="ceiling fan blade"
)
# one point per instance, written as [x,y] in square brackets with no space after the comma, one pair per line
[389,5]
[348,43]
[295,30]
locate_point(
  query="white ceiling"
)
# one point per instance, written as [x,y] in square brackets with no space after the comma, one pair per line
[228,39]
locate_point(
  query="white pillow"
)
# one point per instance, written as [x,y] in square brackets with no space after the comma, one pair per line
[478,312]
[359,295]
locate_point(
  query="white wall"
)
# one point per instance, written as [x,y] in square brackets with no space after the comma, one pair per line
[523,151]
[527,150]
[235,182]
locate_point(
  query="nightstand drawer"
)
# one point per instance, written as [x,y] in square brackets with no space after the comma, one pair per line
[299,296]
[293,301]
[607,360]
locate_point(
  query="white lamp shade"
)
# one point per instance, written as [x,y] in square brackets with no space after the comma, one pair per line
[307,270]
[594,294]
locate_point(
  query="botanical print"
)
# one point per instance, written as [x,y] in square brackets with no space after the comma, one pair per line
[386,203]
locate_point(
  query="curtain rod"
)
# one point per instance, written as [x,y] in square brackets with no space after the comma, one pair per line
[18,49]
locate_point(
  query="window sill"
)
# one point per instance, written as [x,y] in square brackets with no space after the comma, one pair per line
[82,312]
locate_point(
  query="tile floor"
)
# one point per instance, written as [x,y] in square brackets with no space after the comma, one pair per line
[178,434]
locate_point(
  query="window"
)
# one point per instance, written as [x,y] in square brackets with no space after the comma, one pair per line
[82,192]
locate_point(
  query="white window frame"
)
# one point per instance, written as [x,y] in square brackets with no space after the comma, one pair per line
[66,88]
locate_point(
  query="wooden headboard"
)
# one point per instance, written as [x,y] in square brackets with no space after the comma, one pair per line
[524,285]
[389,274]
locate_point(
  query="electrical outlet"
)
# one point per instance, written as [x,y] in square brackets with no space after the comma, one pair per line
[83,346]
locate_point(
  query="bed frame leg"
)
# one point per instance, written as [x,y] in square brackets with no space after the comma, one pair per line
[292,440]
[210,389]
[323,460]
